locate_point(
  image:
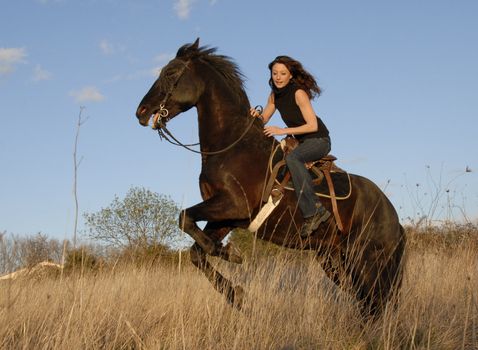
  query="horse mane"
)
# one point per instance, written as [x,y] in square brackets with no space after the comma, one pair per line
[224,65]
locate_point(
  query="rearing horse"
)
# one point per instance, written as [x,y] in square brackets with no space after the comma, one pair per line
[235,155]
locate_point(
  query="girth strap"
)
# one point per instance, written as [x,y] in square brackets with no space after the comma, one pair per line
[333,197]
[272,179]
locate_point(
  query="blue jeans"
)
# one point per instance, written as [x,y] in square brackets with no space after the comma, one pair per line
[307,151]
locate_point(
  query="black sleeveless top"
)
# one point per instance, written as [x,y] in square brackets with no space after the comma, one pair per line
[284,100]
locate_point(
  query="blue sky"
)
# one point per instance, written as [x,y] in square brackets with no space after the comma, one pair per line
[399,82]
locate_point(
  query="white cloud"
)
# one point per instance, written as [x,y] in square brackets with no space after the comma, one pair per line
[106,47]
[87,94]
[12,55]
[5,69]
[183,8]
[9,57]
[40,74]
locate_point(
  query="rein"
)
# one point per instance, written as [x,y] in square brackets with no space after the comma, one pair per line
[164,133]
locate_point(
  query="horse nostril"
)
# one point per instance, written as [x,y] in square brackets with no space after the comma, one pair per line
[141,111]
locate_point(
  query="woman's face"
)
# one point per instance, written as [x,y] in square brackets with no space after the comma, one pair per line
[280,75]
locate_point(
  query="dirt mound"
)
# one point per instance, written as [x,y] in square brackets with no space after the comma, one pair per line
[39,271]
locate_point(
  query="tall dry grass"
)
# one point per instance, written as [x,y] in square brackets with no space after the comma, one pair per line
[290,305]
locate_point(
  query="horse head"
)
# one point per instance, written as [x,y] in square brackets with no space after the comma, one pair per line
[174,91]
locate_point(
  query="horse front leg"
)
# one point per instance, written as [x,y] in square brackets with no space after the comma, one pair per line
[234,294]
[208,241]
[217,212]
[217,231]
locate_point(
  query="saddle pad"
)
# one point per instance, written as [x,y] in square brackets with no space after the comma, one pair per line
[342,185]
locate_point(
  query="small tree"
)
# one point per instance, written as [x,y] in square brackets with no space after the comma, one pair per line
[35,249]
[26,251]
[141,219]
[82,259]
[9,254]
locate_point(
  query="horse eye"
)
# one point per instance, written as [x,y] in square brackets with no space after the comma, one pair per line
[168,74]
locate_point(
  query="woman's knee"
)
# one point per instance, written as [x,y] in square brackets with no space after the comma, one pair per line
[292,158]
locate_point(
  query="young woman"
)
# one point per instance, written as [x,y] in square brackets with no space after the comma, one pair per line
[292,90]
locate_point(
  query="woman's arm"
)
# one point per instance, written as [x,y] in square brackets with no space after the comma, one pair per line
[303,101]
[268,111]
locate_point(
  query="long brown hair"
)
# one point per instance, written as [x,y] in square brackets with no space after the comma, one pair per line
[300,76]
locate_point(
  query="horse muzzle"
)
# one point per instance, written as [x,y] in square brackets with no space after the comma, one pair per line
[155,120]
[143,115]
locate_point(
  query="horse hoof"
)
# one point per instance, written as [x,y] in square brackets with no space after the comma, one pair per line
[234,255]
[237,259]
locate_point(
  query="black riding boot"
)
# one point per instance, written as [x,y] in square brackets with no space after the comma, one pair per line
[312,223]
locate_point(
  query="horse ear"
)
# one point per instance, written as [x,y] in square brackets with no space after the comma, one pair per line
[188,49]
[195,45]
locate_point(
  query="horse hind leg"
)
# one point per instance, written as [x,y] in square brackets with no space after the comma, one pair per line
[377,284]
[233,294]
[332,265]
[389,279]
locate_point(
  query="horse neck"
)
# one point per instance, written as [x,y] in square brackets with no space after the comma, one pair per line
[222,117]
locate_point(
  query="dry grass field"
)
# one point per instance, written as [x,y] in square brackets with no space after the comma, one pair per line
[289,305]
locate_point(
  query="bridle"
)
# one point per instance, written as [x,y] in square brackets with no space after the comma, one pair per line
[161,118]
[163,111]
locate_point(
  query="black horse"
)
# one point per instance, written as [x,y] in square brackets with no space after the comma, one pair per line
[365,258]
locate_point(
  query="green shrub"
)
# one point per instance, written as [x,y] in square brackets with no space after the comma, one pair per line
[148,256]
[82,259]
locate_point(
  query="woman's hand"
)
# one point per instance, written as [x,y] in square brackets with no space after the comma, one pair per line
[273,131]
[255,112]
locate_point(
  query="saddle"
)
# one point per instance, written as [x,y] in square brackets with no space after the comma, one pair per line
[321,168]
